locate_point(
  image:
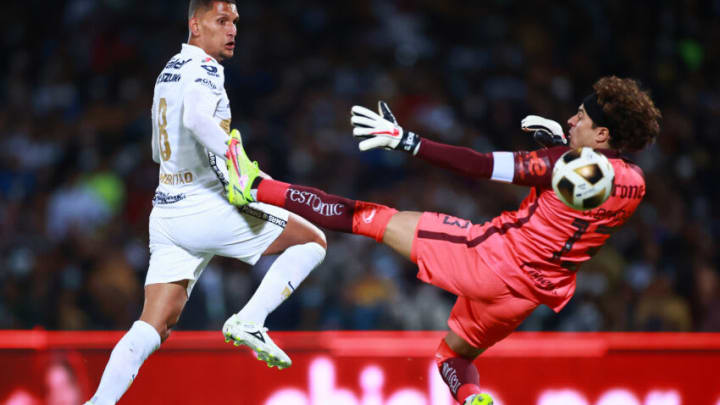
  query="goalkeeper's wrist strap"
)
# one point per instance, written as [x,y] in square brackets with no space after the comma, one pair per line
[410,143]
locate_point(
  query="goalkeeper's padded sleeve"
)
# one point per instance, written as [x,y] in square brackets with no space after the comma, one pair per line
[533,169]
[199,106]
[459,159]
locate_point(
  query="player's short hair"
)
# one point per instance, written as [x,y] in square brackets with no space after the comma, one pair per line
[196,5]
[634,117]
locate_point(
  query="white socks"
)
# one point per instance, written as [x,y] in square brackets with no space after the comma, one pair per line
[283,277]
[125,361]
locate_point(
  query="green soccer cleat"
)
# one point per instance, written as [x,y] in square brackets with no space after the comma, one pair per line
[241,172]
[479,399]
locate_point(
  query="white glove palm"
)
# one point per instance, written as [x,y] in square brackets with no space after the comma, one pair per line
[381,130]
[546,132]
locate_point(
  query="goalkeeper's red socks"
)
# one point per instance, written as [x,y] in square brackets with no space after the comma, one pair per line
[326,210]
[459,373]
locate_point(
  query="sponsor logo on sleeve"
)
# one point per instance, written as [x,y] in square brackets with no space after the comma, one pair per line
[530,164]
[314,201]
[176,63]
[168,78]
[450,376]
[207,83]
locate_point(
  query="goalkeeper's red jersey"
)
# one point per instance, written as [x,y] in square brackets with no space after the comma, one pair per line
[538,248]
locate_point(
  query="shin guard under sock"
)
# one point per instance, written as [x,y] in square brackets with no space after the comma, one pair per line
[459,373]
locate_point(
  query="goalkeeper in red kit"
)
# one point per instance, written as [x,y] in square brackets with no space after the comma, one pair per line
[503,269]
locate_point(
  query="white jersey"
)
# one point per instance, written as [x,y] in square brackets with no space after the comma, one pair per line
[191,122]
[188,179]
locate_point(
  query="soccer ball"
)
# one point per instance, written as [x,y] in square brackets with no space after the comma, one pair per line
[583,178]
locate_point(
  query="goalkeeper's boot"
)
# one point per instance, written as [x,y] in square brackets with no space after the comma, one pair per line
[255,336]
[478,399]
[241,172]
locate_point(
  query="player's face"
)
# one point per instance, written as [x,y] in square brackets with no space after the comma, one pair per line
[581,130]
[217,30]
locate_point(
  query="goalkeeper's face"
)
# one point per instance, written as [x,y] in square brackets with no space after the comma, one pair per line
[214,29]
[583,131]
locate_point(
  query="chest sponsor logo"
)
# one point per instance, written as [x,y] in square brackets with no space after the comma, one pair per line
[174,179]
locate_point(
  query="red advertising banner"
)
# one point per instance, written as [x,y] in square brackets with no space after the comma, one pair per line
[369,368]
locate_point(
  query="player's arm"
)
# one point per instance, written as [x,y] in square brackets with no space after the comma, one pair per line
[200,101]
[523,168]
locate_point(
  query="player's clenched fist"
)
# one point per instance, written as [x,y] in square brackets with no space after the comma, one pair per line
[546,132]
[381,130]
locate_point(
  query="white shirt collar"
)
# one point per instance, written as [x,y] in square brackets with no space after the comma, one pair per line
[196,51]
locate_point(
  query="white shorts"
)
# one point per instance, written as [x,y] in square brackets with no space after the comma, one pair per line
[182,245]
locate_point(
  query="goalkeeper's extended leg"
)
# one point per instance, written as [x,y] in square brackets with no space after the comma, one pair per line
[459,373]
[333,212]
[323,209]
[326,210]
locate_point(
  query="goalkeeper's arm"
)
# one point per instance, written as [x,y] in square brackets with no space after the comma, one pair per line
[522,168]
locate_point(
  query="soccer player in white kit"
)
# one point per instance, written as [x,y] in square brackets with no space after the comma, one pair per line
[192,221]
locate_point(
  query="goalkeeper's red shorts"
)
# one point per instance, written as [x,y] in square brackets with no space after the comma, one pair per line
[486,310]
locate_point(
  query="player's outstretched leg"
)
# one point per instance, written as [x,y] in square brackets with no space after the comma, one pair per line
[255,336]
[241,172]
[460,374]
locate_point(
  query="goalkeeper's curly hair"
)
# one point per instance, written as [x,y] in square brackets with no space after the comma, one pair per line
[636,120]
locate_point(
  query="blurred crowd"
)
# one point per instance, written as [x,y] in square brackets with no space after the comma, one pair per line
[77,178]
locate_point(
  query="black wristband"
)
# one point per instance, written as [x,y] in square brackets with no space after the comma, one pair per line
[409,142]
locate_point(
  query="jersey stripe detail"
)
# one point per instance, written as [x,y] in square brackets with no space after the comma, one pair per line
[480,239]
[246,209]
[503,167]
